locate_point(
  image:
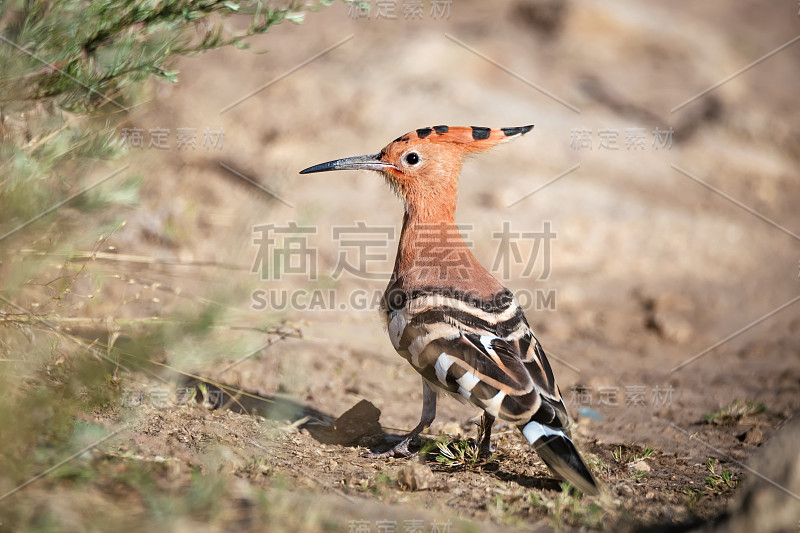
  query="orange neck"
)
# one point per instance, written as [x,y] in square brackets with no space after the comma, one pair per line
[432,253]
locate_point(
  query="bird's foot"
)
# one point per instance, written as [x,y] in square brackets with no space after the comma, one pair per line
[401,450]
[485,436]
[486,451]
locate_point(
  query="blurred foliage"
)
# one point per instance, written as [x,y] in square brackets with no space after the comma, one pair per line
[71,71]
[84,54]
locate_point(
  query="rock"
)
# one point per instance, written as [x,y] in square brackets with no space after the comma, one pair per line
[672,326]
[640,466]
[751,436]
[416,476]
[668,314]
[544,16]
[360,420]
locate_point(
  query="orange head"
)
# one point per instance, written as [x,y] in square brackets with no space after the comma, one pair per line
[423,166]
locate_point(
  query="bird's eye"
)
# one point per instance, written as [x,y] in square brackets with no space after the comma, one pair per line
[412,158]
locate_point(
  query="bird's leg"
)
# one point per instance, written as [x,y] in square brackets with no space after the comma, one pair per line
[485,436]
[428,414]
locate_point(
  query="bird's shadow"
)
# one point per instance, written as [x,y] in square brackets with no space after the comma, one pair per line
[538,483]
[276,407]
[321,427]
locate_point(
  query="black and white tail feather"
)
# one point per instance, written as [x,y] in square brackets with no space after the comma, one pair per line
[559,453]
[484,353]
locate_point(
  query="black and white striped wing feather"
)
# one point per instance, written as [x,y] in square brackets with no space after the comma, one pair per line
[481,351]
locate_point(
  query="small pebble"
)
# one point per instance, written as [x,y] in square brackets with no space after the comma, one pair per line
[751,436]
[416,476]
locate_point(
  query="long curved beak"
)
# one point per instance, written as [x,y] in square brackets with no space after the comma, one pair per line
[361,162]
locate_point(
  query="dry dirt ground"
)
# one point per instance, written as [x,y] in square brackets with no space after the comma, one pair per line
[672,319]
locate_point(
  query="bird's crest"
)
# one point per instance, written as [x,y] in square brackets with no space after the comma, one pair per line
[472,138]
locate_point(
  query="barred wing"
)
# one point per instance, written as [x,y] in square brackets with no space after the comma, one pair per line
[481,350]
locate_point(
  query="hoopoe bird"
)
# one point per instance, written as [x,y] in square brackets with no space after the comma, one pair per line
[457,325]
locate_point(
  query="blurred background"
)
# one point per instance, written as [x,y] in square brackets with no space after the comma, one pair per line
[648,223]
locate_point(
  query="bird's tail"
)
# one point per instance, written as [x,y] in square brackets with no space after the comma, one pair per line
[559,453]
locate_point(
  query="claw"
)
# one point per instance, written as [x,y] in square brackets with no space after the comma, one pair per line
[401,450]
[486,452]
